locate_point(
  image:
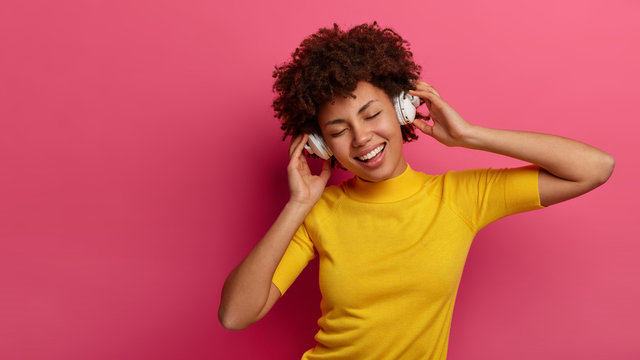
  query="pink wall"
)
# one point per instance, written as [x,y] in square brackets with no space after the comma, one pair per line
[140,162]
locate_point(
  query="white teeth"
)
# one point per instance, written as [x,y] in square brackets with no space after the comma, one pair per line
[373,153]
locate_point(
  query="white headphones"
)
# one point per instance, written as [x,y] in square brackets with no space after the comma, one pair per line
[405,105]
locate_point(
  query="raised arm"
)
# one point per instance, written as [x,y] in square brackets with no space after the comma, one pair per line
[569,168]
[248,293]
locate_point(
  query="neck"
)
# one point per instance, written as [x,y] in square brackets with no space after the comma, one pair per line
[393,189]
[401,168]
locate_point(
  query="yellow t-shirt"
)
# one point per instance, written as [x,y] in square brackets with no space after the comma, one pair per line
[391,256]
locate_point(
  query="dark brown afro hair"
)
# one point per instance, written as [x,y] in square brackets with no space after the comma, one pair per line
[332,62]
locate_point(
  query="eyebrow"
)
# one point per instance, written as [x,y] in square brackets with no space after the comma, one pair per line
[363,108]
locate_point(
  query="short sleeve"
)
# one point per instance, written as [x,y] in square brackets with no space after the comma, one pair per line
[298,254]
[482,196]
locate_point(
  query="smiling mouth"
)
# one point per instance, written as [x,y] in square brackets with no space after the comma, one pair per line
[372,154]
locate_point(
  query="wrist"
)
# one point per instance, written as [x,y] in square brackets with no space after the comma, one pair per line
[299,206]
[472,137]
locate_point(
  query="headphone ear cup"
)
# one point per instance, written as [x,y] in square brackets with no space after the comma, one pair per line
[405,105]
[316,145]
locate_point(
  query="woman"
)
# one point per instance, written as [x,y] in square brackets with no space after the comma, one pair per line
[391,241]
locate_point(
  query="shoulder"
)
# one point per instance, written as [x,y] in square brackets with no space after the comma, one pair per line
[452,178]
[503,184]
[332,193]
[453,184]
[481,175]
[326,205]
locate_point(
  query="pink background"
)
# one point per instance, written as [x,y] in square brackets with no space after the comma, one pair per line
[140,162]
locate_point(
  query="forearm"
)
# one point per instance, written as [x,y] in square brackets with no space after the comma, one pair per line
[565,158]
[247,287]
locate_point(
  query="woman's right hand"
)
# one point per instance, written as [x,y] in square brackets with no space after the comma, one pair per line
[305,188]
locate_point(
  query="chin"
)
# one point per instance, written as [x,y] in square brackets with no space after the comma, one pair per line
[383,172]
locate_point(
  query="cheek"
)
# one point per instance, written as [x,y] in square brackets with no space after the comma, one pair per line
[391,129]
[339,146]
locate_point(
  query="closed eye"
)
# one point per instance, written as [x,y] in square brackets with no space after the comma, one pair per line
[338,133]
[374,115]
[343,130]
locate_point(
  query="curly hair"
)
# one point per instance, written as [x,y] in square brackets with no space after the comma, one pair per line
[333,61]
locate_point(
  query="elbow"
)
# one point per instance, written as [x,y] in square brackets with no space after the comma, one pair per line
[608,164]
[229,322]
[231,326]
[601,172]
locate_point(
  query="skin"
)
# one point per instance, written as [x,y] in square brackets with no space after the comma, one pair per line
[354,126]
[567,168]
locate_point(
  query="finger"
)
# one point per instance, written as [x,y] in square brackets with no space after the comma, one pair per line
[424,99]
[303,166]
[293,144]
[300,146]
[298,163]
[428,89]
[298,156]
[297,144]
[421,85]
[426,94]
[295,141]
[326,170]
[423,126]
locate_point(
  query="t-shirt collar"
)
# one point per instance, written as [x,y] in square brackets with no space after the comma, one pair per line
[395,189]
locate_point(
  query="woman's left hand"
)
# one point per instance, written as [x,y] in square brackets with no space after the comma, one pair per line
[448,126]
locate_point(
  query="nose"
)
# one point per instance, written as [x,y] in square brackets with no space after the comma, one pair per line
[361,134]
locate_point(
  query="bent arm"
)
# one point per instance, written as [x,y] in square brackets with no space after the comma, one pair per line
[248,289]
[569,168]
[248,293]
